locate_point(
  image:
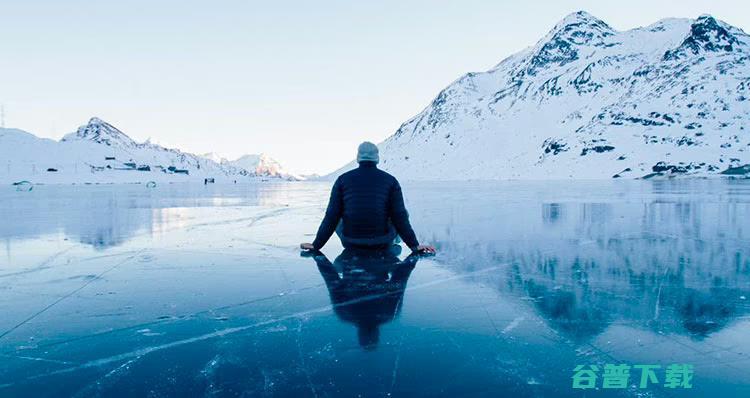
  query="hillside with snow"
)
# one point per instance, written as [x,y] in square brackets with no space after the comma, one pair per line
[100,153]
[588,101]
[260,165]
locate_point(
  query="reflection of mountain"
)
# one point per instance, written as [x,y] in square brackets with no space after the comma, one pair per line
[704,312]
[105,222]
[668,264]
[582,306]
[108,215]
[99,217]
[366,288]
[569,312]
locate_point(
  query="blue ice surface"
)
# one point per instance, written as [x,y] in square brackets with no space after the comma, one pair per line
[193,290]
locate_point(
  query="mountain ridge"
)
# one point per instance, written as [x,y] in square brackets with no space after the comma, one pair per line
[587,101]
[98,152]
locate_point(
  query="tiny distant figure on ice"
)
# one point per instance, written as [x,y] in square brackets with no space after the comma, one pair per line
[366,209]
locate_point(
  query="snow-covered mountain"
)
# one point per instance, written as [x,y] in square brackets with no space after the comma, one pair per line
[99,152]
[215,157]
[588,101]
[261,165]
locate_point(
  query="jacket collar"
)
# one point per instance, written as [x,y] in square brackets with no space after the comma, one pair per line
[367,164]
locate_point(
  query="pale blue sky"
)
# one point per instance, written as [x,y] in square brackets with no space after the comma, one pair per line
[304,81]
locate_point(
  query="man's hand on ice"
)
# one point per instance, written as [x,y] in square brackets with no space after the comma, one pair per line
[306,246]
[425,249]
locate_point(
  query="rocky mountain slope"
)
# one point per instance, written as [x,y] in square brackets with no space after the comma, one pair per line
[261,165]
[587,101]
[100,153]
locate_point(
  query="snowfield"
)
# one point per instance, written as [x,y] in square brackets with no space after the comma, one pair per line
[590,102]
[100,153]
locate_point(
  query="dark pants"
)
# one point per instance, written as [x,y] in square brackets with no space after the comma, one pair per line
[378,242]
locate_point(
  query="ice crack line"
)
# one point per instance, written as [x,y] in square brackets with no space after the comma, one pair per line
[41,266]
[54,303]
[228,331]
[170,319]
[253,219]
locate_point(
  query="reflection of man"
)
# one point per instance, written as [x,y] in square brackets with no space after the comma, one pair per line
[366,287]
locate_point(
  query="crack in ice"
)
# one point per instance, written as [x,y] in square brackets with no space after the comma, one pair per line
[232,330]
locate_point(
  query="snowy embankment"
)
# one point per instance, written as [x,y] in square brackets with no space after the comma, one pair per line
[100,153]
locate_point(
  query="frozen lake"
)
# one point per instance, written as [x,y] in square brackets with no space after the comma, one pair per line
[198,290]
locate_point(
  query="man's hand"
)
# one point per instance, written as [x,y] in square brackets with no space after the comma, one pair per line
[424,249]
[306,246]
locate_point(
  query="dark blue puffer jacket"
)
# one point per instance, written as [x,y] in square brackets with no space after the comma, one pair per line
[368,201]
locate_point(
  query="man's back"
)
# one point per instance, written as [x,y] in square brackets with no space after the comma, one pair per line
[370,207]
[370,204]
[365,192]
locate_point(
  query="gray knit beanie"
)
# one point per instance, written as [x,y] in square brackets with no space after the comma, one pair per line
[367,152]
